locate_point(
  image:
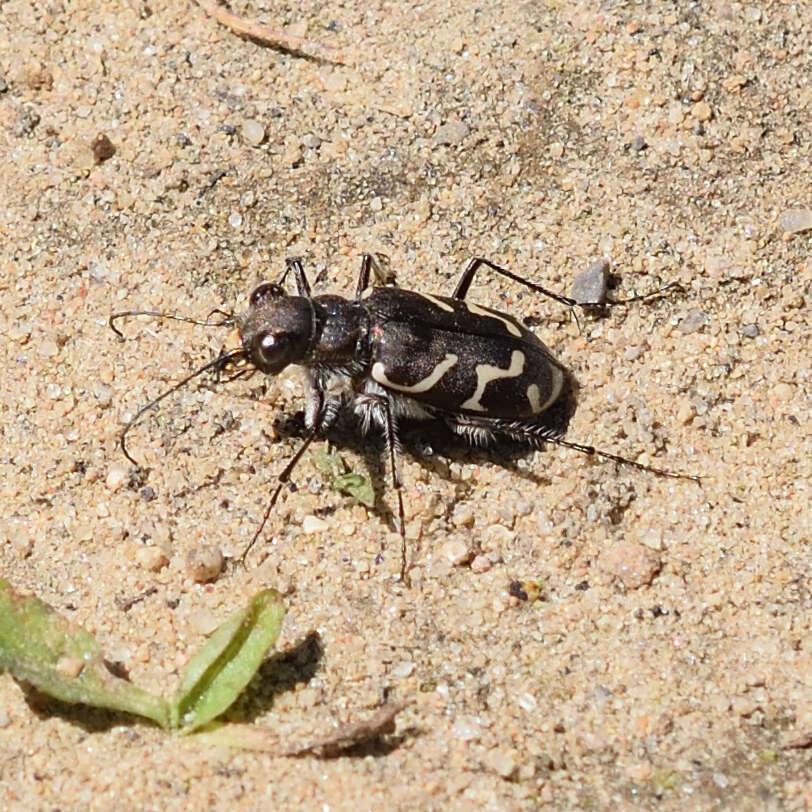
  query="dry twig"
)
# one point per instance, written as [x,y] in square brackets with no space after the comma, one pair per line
[274,37]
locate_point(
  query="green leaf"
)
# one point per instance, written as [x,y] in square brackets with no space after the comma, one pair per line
[341,479]
[217,674]
[64,660]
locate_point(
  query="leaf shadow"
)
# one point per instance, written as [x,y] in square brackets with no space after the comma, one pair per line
[278,674]
[89,718]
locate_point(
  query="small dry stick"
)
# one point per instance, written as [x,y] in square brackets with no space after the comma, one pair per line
[274,37]
[353,733]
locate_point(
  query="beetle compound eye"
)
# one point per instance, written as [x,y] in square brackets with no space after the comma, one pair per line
[264,293]
[272,352]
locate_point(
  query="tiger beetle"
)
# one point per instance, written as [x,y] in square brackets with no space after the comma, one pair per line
[391,354]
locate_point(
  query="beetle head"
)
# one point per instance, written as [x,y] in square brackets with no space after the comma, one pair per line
[278,329]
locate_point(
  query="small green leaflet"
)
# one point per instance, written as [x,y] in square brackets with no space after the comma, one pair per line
[341,479]
[65,661]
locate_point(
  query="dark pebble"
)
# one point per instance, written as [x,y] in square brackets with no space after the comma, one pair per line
[102,148]
[589,286]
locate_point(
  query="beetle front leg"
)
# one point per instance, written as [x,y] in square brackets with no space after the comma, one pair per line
[281,480]
[476,263]
[370,262]
[294,265]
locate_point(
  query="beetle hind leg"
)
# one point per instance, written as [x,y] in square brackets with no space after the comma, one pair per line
[475,433]
[476,263]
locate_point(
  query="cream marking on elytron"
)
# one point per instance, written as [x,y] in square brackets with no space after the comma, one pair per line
[534,398]
[379,374]
[485,373]
[483,311]
[437,303]
[555,390]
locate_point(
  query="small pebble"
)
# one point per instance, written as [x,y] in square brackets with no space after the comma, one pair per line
[311,141]
[794,221]
[750,330]
[80,156]
[686,412]
[502,762]
[403,670]
[589,286]
[27,122]
[633,352]
[253,132]
[456,551]
[497,535]
[480,564]
[313,524]
[152,559]
[235,219]
[335,81]
[462,515]
[638,143]
[292,155]
[695,320]
[528,702]
[466,729]
[204,622]
[103,393]
[102,148]
[784,391]
[634,564]
[48,348]
[116,477]
[451,133]
[204,563]
[701,111]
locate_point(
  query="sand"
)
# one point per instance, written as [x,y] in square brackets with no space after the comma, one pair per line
[661,657]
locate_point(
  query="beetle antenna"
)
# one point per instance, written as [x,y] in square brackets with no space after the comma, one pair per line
[226,319]
[218,364]
[652,294]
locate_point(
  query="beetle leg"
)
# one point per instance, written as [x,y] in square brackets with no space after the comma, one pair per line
[477,262]
[393,446]
[294,265]
[363,276]
[380,410]
[371,262]
[280,483]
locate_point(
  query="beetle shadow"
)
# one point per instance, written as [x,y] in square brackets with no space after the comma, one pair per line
[434,445]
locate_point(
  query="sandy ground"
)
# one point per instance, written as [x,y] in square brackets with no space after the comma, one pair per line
[666,662]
